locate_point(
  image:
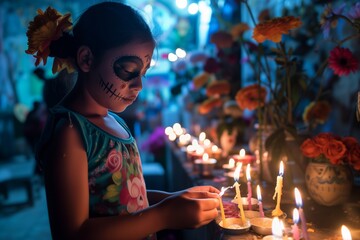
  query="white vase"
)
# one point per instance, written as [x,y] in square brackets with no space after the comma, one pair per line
[328,184]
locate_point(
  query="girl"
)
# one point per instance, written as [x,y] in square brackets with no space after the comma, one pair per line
[92,167]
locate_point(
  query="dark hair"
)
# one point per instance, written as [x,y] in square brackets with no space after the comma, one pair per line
[101,27]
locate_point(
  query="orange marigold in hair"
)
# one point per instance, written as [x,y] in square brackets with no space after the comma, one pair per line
[274,29]
[222,39]
[218,88]
[251,97]
[46,27]
[209,104]
[317,112]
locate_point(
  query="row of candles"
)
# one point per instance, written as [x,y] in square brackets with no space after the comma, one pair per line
[198,147]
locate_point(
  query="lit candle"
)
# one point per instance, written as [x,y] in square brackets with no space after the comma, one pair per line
[295,228]
[248,177]
[278,191]
[261,210]
[229,166]
[222,206]
[298,201]
[276,229]
[202,137]
[345,233]
[238,194]
[178,129]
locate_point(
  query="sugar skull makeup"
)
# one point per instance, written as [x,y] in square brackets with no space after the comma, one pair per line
[128,67]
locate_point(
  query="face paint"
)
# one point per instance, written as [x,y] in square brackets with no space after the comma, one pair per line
[128,67]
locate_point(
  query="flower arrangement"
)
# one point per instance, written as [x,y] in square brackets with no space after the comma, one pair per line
[47,27]
[333,149]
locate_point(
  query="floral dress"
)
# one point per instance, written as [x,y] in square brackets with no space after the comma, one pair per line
[116,183]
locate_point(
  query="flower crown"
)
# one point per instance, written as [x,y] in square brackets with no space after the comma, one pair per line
[46,27]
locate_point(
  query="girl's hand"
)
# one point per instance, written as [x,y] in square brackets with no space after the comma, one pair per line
[191,208]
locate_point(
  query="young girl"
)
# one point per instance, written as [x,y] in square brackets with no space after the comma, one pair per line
[92,167]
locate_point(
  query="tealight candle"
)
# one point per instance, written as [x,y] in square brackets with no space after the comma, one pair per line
[238,194]
[216,152]
[278,192]
[345,233]
[229,166]
[248,177]
[298,201]
[258,192]
[243,157]
[295,228]
[202,137]
[205,165]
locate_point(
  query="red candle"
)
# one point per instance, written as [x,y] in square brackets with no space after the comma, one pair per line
[261,210]
[248,177]
[295,228]
[298,200]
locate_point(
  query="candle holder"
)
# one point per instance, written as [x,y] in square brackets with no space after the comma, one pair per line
[262,226]
[205,167]
[234,226]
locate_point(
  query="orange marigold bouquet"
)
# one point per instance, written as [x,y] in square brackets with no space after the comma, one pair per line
[330,148]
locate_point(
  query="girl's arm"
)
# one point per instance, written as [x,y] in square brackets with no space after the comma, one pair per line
[66,182]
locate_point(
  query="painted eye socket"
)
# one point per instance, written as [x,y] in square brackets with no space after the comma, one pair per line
[128,67]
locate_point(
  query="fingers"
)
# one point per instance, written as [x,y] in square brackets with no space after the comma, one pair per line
[204,189]
[201,195]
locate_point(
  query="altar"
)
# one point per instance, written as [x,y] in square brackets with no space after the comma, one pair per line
[322,222]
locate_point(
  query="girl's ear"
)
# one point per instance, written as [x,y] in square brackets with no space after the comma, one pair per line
[84,58]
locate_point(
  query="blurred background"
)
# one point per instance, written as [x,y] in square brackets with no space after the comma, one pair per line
[184,30]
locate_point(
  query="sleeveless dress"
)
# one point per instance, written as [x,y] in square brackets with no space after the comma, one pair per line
[116,183]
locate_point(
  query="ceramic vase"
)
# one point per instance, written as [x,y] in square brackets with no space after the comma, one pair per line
[328,184]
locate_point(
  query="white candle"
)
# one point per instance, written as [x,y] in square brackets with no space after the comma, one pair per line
[298,201]
[295,228]
[248,177]
[258,192]
[222,206]
[238,194]
[345,233]
[278,191]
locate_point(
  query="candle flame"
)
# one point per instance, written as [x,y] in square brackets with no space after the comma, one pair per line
[345,233]
[168,130]
[276,228]
[248,176]
[199,150]
[205,157]
[242,152]
[231,162]
[237,172]
[298,198]
[172,136]
[195,142]
[296,215]
[214,148]
[258,192]
[202,136]
[207,142]
[281,170]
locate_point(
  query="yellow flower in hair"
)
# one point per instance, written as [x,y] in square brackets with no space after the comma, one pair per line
[46,27]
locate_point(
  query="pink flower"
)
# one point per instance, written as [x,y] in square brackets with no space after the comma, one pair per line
[342,61]
[137,195]
[114,161]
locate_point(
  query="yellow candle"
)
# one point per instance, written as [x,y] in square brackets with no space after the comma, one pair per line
[222,206]
[278,192]
[238,194]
